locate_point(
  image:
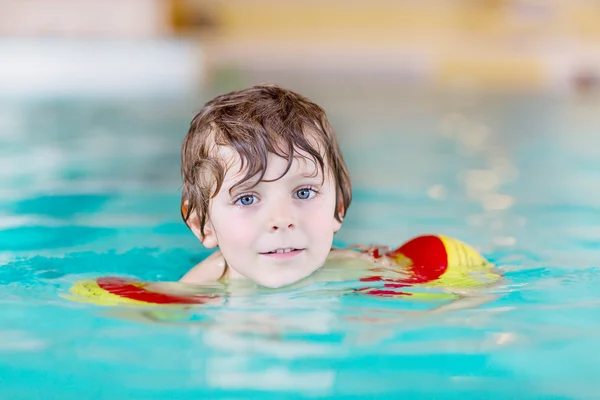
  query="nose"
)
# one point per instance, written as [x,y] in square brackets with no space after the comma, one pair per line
[282,217]
[281,224]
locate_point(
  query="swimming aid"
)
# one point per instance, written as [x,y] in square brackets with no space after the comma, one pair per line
[112,290]
[430,261]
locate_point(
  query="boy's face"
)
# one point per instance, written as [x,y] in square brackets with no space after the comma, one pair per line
[275,233]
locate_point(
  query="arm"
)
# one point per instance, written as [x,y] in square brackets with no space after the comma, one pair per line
[365,253]
[464,301]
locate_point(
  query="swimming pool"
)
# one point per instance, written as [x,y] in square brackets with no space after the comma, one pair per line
[91,188]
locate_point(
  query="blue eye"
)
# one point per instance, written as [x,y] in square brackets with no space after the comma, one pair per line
[246,200]
[305,193]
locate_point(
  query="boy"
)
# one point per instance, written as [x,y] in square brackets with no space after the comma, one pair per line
[265,181]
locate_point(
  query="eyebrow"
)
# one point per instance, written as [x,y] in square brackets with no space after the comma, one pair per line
[318,173]
[242,186]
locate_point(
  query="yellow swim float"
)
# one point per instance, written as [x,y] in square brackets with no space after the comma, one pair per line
[432,261]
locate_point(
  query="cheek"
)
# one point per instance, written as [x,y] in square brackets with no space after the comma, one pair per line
[336,225]
[234,229]
[322,220]
[239,237]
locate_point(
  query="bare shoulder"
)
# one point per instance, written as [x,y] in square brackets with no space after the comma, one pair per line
[208,270]
[338,253]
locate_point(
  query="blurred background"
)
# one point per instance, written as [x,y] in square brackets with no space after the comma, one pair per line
[66,46]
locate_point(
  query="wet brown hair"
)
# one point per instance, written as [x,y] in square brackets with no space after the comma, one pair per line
[254,122]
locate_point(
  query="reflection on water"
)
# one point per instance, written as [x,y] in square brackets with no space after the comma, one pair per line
[90,189]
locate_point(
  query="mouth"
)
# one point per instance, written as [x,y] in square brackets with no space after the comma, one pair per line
[283,253]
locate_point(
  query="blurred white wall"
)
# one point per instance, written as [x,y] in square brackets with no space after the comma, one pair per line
[121,68]
[94,47]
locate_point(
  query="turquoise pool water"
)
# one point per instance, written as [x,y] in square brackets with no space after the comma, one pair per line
[91,188]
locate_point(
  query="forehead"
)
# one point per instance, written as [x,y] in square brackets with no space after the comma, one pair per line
[303,164]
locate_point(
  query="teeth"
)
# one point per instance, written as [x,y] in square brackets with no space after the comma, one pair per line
[280,251]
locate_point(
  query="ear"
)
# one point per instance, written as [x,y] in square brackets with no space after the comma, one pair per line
[209,239]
